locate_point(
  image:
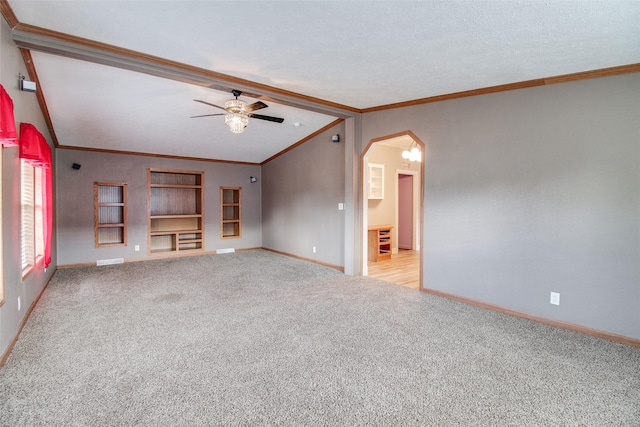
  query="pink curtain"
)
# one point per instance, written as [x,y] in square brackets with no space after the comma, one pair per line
[35,150]
[8,134]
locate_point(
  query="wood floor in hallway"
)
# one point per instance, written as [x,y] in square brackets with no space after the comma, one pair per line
[402,269]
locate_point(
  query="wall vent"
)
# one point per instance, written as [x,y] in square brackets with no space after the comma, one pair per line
[110,261]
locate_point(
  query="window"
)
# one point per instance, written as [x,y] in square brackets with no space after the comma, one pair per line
[27,191]
[32,227]
[1,245]
[36,198]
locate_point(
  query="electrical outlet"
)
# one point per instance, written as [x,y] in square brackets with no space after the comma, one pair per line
[340,206]
[555,298]
[137,248]
[314,249]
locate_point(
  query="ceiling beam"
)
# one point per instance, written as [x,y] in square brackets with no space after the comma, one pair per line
[33,75]
[43,40]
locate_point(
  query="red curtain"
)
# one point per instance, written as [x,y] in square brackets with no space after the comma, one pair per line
[34,147]
[8,134]
[35,150]
[47,207]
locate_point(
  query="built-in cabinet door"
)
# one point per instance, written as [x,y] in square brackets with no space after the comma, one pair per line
[376,181]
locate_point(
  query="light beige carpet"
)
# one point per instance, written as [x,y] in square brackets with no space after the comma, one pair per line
[255,338]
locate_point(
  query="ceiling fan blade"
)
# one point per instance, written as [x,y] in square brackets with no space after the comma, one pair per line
[268,118]
[207,115]
[208,103]
[256,106]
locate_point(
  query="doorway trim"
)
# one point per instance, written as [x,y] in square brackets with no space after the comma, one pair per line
[364,201]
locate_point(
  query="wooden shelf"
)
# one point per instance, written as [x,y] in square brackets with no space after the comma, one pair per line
[230,212]
[379,239]
[110,214]
[176,216]
[162,233]
[174,186]
[176,220]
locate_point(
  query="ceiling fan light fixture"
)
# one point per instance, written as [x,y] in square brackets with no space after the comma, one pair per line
[238,112]
[237,118]
[236,106]
[236,122]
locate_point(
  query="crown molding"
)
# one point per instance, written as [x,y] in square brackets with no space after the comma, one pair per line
[161,156]
[303,140]
[33,75]
[8,14]
[584,75]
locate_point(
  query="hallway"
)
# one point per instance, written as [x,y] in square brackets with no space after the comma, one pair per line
[403,269]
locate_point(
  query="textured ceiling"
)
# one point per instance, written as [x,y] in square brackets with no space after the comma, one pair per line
[96,106]
[359,54]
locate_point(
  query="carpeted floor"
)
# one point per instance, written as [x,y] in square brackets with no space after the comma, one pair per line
[255,338]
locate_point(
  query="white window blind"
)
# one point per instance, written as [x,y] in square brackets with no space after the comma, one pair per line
[27,230]
[39,224]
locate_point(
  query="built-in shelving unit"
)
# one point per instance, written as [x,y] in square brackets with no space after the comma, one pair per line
[230,212]
[110,213]
[376,181]
[176,200]
[379,247]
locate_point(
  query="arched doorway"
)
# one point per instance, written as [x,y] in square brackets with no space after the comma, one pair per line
[384,169]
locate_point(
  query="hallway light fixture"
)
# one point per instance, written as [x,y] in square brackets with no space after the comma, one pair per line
[412,154]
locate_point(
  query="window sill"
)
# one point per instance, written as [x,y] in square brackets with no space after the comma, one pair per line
[29,269]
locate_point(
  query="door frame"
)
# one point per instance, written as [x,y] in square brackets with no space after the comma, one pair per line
[415,242]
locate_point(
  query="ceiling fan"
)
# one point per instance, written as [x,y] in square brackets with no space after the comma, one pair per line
[238,112]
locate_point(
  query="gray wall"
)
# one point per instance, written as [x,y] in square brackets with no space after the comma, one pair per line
[532,191]
[26,109]
[75,202]
[300,194]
